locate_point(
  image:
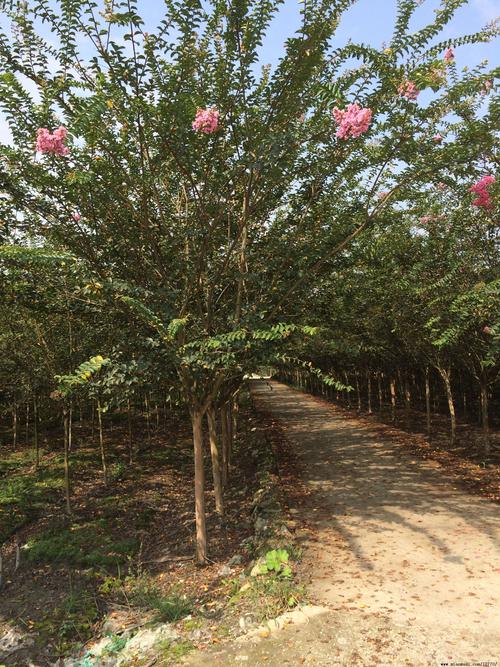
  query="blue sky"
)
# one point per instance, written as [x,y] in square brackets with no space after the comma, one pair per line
[368,21]
[372,21]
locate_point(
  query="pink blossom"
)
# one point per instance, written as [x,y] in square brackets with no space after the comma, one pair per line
[76,216]
[352,121]
[483,183]
[409,90]
[437,138]
[441,185]
[483,199]
[382,195]
[206,120]
[487,329]
[449,55]
[425,219]
[487,86]
[52,143]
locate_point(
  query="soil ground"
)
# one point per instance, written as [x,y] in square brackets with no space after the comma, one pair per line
[140,523]
[405,562]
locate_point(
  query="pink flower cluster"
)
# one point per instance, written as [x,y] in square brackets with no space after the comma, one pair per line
[409,90]
[449,55]
[425,219]
[437,138]
[480,189]
[382,194]
[352,121]
[206,120]
[52,143]
[487,86]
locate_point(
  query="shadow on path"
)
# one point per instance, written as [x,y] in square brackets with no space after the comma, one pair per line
[389,533]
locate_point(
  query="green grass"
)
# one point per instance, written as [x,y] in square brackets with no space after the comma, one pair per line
[68,623]
[87,545]
[17,459]
[172,652]
[24,492]
[271,595]
[23,496]
[144,592]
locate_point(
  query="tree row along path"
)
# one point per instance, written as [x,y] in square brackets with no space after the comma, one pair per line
[405,563]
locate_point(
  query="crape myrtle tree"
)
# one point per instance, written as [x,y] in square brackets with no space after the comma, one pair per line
[419,295]
[203,191]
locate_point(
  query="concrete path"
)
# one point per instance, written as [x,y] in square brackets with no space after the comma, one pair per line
[407,564]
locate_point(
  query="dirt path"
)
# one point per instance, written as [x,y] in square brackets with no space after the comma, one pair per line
[407,564]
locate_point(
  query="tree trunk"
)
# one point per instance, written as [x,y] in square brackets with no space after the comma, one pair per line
[93,421]
[407,396]
[148,418]
[27,430]
[101,441]
[67,488]
[369,392]
[230,432]
[380,394]
[35,432]
[225,446]
[484,415]
[216,460]
[445,375]
[392,384]
[14,426]
[348,393]
[70,427]
[130,440]
[358,393]
[235,416]
[428,402]
[199,487]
